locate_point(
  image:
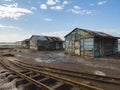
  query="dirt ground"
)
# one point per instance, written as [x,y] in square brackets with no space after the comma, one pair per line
[106,66]
[109,66]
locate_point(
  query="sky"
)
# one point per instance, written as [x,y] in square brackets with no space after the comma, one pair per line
[20,19]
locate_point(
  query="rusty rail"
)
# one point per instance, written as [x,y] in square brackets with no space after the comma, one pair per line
[65,80]
[39,84]
[98,78]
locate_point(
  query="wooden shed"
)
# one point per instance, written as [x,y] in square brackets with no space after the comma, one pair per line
[26,43]
[87,43]
[45,43]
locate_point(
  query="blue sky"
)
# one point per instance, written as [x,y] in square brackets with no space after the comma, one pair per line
[19,19]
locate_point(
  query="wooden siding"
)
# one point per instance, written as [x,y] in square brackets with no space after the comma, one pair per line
[41,43]
[88,47]
[79,43]
[49,45]
[26,43]
[69,47]
[33,44]
[85,44]
[69,44]
[45,45]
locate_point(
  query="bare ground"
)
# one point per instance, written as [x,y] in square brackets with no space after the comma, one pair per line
[109,66]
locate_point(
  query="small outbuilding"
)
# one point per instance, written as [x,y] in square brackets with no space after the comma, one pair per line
[45,43]
[26,43]
[87,43]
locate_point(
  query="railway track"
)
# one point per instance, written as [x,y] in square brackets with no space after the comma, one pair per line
[45,80]
[87,76]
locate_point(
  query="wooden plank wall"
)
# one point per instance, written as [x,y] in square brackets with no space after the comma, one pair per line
[88,47]
[79,43]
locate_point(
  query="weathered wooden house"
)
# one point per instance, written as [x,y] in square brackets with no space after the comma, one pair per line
[87,43]
[45,43]
[26,43]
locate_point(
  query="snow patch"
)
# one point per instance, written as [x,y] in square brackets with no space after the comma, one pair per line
[97,72]
[40,60]
[19,55]
[8,86]
[12,58]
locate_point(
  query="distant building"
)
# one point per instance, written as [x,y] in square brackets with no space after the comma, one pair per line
[26,43]
[87,43]
[45,43]
[119,45]
[18,44]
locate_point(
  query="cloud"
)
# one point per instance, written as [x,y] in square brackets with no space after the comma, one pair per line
[8,0]
[101,3]
[19,36]
[59,7]
[57,1]
[33,8]
[78,10]
[12,11]
[60,34]
[9,27]
[56,8]
[98,3]
[65,2]
[43,6]
[48,19]
[13,36]
[76,7]
[9,33]
[51,2]
[54,4]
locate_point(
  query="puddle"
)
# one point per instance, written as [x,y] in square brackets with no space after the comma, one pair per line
[97,72]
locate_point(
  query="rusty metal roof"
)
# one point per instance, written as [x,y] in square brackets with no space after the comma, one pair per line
[94,33]
[47,38]
[53,38]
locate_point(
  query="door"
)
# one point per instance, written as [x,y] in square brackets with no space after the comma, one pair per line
[57,46]
[97,48]
[82,47]
[77,48]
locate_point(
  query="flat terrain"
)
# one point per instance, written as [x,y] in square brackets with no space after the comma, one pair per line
[106,66]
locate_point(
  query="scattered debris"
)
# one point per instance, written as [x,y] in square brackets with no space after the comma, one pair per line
[8,55]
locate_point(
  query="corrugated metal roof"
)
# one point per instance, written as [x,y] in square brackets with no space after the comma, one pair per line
[53,38]
[47,38]
[40,38]
[94,33]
